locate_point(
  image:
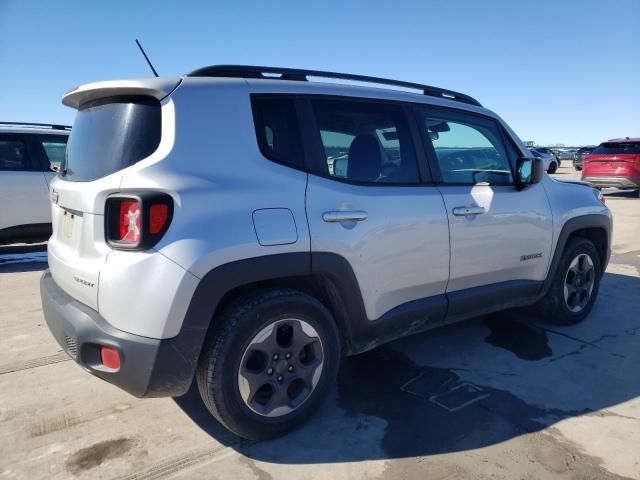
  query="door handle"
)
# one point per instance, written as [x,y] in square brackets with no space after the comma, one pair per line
[344,216]
[465,211]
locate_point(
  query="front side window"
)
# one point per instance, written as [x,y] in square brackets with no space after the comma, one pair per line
[13,155]
[366,142]
[469,150]
[277,131]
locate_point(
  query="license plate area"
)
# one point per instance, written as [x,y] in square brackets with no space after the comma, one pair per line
[68,219]
[70,227]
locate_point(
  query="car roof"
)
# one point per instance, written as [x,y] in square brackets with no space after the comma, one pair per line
[37,131]
[34,128]
[346,90]
[302,75]
[623,140]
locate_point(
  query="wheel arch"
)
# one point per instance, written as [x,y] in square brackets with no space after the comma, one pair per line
[595,227]
[331,281]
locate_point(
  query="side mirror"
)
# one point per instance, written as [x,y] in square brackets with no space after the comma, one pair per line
[528,171]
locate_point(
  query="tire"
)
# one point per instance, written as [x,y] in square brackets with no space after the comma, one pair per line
[243,408]
[554,307]
[578,168]
[553,167]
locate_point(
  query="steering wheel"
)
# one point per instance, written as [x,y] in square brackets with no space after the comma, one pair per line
[487,173]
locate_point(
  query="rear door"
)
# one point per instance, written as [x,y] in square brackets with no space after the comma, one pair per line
[369,201]
[500,237]
[24,198]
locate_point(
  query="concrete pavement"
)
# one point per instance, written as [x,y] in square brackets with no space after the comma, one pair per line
[505,396]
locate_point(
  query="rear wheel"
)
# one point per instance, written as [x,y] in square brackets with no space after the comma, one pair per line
[268,362]
[552,167]
[575,285]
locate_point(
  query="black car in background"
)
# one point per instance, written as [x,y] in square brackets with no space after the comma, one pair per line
[580,154]
[546,151]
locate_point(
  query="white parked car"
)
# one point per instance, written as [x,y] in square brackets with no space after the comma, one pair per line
[30,155]
[245,231]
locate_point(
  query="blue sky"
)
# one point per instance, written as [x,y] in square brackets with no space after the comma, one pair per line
[557,71]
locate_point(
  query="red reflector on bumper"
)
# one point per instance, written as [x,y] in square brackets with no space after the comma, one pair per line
[110,357]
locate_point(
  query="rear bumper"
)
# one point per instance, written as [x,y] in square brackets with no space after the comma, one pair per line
[148,367]
[611,181]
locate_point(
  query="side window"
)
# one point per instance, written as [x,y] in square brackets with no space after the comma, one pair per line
[366,142]
[55,148]
[277,130]
[469,150]
[13,154]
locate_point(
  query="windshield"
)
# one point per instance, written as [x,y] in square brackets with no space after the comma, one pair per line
[110,134]
[617,148]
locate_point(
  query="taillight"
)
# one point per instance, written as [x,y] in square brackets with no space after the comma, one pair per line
[137,221]
[129,221]
[158,214]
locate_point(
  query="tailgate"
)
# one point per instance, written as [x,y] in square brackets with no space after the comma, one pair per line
[117,125]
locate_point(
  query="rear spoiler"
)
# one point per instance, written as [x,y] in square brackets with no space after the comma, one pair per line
[153,87]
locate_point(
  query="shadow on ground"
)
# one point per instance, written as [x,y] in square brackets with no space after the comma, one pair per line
[623,194]
[23,258]
[465,386]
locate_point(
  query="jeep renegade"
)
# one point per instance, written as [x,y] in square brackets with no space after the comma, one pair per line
[246,227]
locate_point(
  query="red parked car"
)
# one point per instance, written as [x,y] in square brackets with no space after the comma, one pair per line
[614,163]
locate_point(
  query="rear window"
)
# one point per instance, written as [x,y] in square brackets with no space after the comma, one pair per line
[618,148]
[110,134]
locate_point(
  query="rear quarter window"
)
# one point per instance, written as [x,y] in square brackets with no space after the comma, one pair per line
[277,130]
[55,147]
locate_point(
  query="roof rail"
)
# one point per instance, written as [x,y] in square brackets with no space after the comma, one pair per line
[37,125]
[247,71]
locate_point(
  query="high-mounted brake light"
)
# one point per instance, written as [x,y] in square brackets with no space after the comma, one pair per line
[137,221]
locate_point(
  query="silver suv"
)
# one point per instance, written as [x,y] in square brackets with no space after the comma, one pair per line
[246,227]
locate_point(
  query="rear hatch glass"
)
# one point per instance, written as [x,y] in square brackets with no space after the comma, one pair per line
[630,148]
[110,134]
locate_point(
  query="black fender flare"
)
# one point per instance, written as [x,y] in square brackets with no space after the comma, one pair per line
[594,220]
[177,357]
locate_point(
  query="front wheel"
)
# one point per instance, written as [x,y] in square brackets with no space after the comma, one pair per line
[268,362]
[553,167]
[575,285]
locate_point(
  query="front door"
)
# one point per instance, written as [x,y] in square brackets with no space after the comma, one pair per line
[500,237]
